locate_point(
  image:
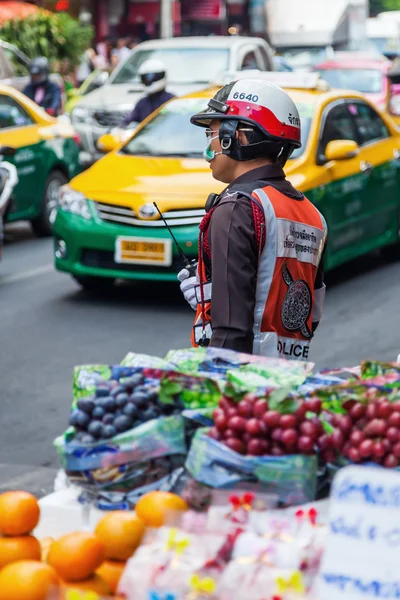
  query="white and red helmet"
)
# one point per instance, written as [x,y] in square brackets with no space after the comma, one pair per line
[268,108]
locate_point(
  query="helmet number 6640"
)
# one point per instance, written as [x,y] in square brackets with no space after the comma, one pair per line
[242,96]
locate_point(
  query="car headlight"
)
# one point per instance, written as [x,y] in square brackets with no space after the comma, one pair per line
[74,202]
[80,114]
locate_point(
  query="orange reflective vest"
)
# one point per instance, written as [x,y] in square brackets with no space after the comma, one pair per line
[295,236]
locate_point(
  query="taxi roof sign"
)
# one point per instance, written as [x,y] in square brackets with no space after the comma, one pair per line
[299,81]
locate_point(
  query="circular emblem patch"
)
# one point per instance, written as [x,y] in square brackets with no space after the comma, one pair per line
[296,306]
[147,211]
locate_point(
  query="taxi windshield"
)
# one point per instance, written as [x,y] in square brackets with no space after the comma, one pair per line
[170,133]
[368,81]
[183,65]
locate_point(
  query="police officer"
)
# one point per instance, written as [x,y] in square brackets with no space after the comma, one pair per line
[259,284]
[41,90]
[154,78]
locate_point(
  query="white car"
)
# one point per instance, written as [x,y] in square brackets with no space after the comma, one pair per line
[192,63]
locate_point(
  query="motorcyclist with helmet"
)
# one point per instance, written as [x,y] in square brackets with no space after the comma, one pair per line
[259,284]
[154,78]
[41,89]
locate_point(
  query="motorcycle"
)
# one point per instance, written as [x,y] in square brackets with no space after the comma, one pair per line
[8,181]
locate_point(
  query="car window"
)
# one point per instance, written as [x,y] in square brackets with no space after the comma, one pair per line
[181,138]
[170,133]
[368,81]
[266,61]
[369,124]
[249,61]
[339,125]
[19,66]
[183,65]
[12,114]
[6,70]
[306,112]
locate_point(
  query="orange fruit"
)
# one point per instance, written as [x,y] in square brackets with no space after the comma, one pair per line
[121,533]
[45,544]
[27,580]
[153,507]
[94,584]
[111,571]
[19,513]
[13,549]
[76,556]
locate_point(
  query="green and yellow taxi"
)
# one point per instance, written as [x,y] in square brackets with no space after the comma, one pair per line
[46,157]
[107,227]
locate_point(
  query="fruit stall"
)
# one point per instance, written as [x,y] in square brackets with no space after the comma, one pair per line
[214,474]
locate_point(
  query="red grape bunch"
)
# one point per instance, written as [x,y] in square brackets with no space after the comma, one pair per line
[372,431]
[250,427]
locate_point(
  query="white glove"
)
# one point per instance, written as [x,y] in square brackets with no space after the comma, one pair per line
[188,287]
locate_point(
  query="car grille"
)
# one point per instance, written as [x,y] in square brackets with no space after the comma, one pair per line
[104,259]
[126,216]
[108,118]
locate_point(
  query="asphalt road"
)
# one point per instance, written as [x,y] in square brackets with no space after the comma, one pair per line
[48,325]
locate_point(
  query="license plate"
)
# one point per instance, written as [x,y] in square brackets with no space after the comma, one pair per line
[143,251]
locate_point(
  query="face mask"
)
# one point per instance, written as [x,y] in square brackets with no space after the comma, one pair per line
[209,154]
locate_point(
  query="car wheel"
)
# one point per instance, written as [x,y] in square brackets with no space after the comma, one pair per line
[95,284]
[392,252]
[43,225]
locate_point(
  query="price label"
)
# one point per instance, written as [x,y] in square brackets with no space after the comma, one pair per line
[362,553]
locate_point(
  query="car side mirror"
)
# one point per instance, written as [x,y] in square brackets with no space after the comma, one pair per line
[341,150]
[7,151]
[109,142]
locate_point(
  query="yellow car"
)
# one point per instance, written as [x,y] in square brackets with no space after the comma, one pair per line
[107,227]
[46,157]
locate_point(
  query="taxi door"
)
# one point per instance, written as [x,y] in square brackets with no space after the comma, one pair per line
[346,182]
[17,129]
[379,159]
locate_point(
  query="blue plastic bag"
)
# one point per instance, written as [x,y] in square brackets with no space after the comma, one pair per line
[293,477]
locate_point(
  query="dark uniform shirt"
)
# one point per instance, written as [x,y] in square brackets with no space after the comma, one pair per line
[51,96]
[234,258]
[146,106]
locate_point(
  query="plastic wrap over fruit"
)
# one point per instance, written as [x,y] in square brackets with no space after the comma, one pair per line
[86,377]
[319,380]
[232,510]
[132,359]
[375,368]
[336,397]
[217,362]
[255,578]
[162,474]
[293,478]
[170,563]
[293,538]
[118,471]
[156,438]
[89,379]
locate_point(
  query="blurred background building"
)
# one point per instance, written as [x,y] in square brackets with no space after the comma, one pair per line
[141,18]
[297,24]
